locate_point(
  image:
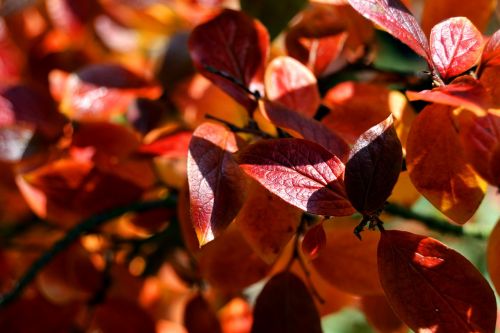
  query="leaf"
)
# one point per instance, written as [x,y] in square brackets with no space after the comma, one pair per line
[480,135]
[464,92]
[292,84]
[356,107]
[267,222]
[216,183]
[285,305]
[456,46]
[438,166]
[241,45]
[491,51]
[314,240]
[346,262]
[306,128]
[229,264]
[373,167]
[479,12]
[109,317]
[433,288]
[275,15]
[199,317]
[492,256]
[300,172]
[394,17]
[380,315]
[490,78]
[174,145]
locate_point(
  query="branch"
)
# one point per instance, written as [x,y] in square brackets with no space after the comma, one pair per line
[72,235]
[433,223]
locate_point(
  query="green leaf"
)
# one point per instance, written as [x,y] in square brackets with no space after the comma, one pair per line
[275,15]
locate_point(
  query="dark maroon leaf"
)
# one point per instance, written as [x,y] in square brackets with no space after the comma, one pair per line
[373,167]
[216,182]
[285,306]
[199,317]
[308,128]
[433,288]
[394,17]
[456,46]
[300,172]
[235,45]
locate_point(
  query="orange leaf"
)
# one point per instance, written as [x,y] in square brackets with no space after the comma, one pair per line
[380,314]
[490,78]
[438,166]
[492,256]
[346,262]
[433,288]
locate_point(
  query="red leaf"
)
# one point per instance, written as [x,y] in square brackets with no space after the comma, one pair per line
[314,240]
[373,167]
[455,46]
[216,183]
[491,51]
[465,91]
[438,167]
[241,47]
[285,305]
[199,317]
[175,145]
[380,314]
[307,128]
[492,256]
[292,84]
[394,17]
[300,172]
[433,288]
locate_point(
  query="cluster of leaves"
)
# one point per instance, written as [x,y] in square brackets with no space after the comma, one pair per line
[242,151]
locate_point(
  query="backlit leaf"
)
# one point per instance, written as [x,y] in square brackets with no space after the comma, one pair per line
[242,46]
[491,51]
[346,262]
[267,222]
[438,166]
[216,182]
[292,84]
[433,288]
[373,167]
[305,127]
[456,46]
[464,91]
[314,240]
[199,317]
[394,17]
[492,256]
[275,15]
[285,305]
[479,12]
[300,172]
[490,78]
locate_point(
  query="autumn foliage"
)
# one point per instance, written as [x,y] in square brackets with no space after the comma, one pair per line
[249,166]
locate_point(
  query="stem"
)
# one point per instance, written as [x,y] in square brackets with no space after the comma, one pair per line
[71,236]
[236,129]
[255,94]
[436,224]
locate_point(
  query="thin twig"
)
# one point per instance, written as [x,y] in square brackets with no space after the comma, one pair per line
[72,235]
[255,94]
[433,223]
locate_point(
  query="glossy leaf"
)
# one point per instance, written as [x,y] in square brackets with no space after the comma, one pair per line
[479,12]
[438,166]
[456,46]
[314,240]
[242,46]
[229,263]
[285,305]
[275,15]
[216,183]
[394,17]
[424,283]
[464,91]
[373,167]
[300,172]
[292,84]
[491,51]
[492,256]
[267,222]
[305,127]
[346,262]
[199,317]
